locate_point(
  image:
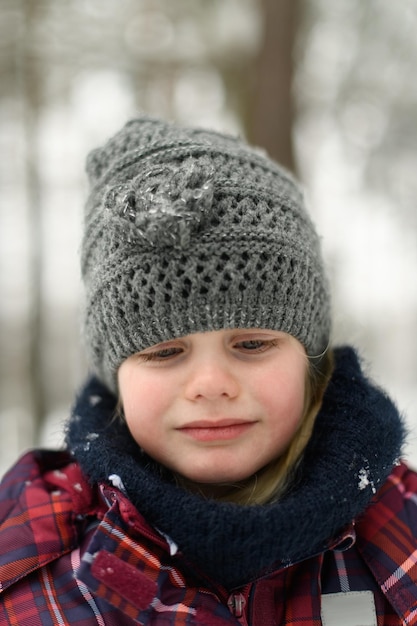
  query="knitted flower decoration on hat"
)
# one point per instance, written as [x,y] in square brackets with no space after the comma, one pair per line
[188,230]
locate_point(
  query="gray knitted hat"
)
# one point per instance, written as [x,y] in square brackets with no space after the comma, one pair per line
[188,230]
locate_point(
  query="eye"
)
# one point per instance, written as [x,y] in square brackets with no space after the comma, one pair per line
[256,346]
[162,354]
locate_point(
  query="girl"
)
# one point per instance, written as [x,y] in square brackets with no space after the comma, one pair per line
[224,464]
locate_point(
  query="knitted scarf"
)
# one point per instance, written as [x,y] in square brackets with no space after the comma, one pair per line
[355,443]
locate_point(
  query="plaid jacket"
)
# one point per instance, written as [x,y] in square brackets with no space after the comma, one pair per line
[72,555]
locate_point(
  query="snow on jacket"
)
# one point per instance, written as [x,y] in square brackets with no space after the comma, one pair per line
[75,555]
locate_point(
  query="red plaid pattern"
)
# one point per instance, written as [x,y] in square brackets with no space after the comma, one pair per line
[387,539]
[72,555]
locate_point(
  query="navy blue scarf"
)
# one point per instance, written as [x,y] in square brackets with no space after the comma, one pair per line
[355,443]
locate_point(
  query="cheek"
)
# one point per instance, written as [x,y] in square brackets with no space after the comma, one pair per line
[144,398]
[283,396]
[143,403]
[142,413]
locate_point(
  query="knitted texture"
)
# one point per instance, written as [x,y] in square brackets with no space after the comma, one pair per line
[188,230]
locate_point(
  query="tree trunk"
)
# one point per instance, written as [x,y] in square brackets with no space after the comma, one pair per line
[271,118]
[29,77]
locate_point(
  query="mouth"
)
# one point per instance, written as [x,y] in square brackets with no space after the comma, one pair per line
[216,430]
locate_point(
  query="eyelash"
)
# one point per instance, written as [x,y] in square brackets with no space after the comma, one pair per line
[257,346]
[160,355]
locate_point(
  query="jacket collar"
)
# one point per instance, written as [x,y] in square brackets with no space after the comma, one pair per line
[387,541]
[356,440]
[47,497]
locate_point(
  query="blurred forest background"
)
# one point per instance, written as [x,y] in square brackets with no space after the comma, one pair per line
[328,88]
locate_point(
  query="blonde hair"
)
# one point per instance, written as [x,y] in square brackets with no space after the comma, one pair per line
[272,481]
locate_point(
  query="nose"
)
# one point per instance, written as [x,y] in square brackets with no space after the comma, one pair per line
[211,380]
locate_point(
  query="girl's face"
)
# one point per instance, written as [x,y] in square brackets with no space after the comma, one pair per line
[216,407]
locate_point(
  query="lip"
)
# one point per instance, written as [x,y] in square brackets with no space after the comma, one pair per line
[216,430]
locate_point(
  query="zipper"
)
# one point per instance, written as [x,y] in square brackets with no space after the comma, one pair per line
[114,498]
[237,603]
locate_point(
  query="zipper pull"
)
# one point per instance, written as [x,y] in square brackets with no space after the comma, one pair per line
[236,604]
